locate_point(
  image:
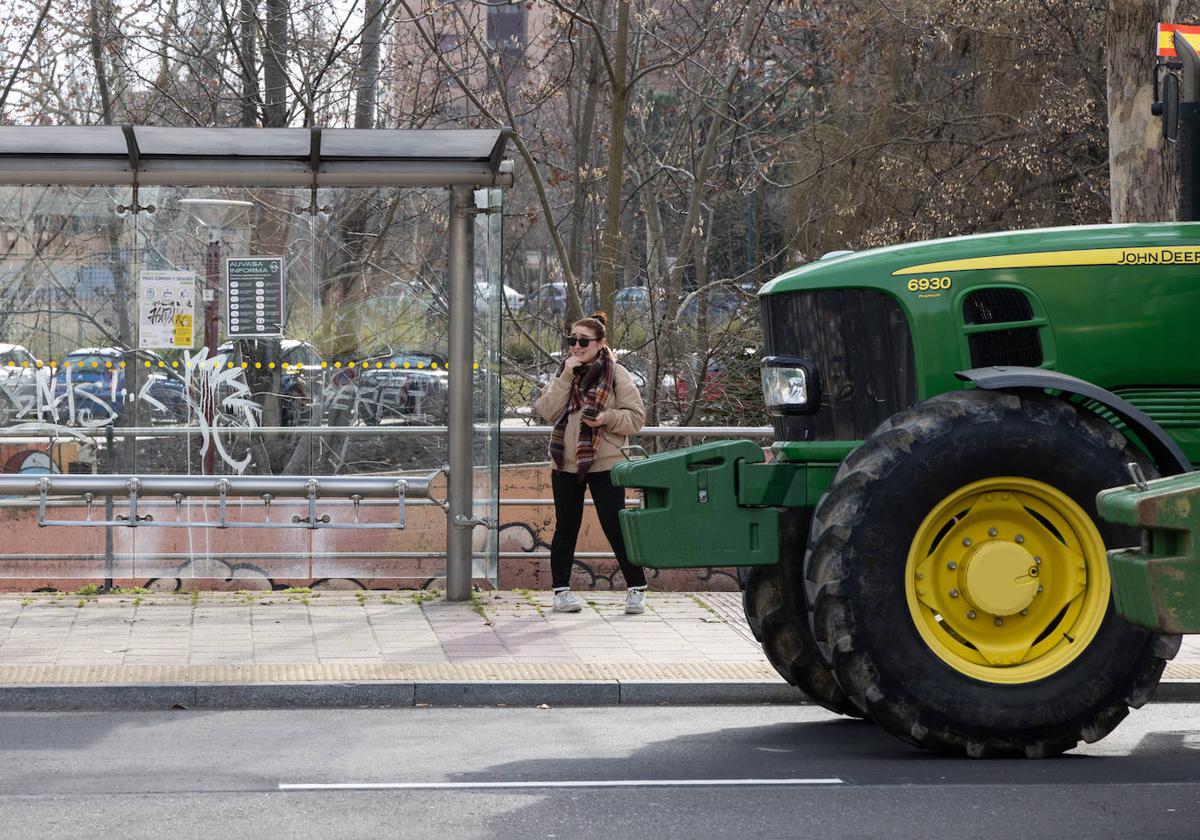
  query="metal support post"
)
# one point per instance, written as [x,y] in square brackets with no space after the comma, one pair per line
[459,478]
[212,284]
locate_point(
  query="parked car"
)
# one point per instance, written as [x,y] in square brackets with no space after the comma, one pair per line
[551,300]
[724,302]
[106,391]
[301,379]
[19,373]
[514,300]
[633,297]
[410,387]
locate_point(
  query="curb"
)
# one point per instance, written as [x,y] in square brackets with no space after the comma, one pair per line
[387,695]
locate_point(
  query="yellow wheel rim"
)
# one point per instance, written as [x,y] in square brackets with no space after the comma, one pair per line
[1007,580]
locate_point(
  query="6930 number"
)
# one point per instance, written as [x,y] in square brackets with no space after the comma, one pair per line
[928,284]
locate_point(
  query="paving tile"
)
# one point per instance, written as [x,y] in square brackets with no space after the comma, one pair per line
[337,630]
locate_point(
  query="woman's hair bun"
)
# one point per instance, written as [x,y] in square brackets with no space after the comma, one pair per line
[600,316]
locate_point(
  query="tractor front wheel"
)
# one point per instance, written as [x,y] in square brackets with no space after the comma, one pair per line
[959,580]
[773,599]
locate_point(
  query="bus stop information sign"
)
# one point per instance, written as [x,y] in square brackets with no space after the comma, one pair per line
[254,297]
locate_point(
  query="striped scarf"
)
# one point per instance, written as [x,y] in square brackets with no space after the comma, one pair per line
[590,391]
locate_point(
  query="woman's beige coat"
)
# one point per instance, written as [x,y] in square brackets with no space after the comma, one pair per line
[623,416]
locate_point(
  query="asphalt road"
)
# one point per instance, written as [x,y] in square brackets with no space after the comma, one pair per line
[776,772]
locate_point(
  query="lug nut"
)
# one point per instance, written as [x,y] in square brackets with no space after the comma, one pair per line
[966,540]
[953,593]
[1039,587]
[992,532]
[1025,612]
[1020,539]
[999,621]
[971,614]
[952,565]
[1037,560]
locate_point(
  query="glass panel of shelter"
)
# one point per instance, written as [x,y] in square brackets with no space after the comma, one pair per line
[486,370]
[102,356]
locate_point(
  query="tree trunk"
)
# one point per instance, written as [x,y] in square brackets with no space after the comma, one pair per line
[98,23]
[165,37]
[611,239]
[583,163]
[368,65]
[275,53]
[751,21]
[1143,175]
[248,14]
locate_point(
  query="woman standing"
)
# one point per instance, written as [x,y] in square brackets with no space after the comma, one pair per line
[594,405]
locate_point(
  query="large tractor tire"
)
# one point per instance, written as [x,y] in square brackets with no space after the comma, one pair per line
[959,581]
[773,600]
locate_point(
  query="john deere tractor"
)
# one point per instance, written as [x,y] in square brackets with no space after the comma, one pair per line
[923,548]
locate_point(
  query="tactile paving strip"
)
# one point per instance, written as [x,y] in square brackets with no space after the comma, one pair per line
[450,672]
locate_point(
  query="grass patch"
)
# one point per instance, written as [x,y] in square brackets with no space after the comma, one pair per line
[479,607]
[702,603]
[529,599]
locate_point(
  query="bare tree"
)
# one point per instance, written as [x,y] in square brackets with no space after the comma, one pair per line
[1142,166]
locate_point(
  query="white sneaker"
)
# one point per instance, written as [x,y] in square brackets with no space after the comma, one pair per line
[566,601]
[635,602]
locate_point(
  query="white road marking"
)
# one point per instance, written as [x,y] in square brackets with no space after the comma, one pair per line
[590,783]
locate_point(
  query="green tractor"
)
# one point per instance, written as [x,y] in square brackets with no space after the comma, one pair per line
[924,548]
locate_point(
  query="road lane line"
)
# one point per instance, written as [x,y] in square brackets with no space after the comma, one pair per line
[589,783]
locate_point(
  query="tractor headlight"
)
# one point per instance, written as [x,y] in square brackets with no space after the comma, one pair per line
[790,385]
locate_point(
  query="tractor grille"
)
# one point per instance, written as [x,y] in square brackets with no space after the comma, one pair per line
[1171,408]
[1021,347]
[996,306]
[1013,346]
[860,342]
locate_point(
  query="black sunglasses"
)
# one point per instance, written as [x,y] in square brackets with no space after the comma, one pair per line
[582,342]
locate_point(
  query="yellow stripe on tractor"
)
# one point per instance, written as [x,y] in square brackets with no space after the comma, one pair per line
[1176,255]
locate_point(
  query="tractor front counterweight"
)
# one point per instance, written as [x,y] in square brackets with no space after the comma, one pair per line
[1158,585]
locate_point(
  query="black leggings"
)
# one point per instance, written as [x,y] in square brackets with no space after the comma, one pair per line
[568,514]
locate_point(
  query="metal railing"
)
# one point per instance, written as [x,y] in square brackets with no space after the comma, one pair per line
[135,488]
[55,490]
[60,433]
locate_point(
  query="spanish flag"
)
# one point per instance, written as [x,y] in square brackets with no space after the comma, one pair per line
[1166,37]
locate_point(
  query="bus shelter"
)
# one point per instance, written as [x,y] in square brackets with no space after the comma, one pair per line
[251,355]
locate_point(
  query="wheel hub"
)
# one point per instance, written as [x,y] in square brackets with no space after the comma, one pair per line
[1007,579]
[996,578]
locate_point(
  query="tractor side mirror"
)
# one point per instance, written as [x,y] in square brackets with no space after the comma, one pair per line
[1170,107]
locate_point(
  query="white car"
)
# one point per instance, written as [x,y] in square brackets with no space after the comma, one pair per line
[514,300]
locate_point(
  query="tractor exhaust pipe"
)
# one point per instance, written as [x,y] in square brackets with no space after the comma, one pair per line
[1181,122]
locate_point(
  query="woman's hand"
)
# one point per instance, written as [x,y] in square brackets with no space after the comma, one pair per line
[595,422]
[571,363]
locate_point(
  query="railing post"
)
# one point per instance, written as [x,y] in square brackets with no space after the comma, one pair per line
[459,478]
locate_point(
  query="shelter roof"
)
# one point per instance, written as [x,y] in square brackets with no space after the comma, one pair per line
[300,157]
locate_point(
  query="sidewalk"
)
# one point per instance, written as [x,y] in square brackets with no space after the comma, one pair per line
[342,649]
